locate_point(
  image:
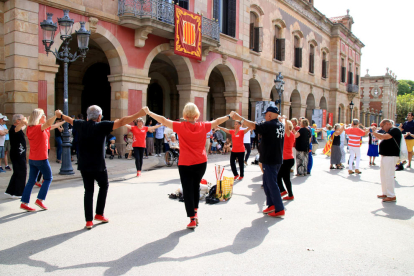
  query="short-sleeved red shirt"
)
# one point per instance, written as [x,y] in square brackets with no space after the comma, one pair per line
[39,141]
[237,139]
[354,135]
[48,135]
[288,146]
[139,136]
[192,142]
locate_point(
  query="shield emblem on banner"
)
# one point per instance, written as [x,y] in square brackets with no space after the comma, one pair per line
[189,33]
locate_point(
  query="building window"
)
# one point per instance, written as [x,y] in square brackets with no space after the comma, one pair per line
[184,4]
[325,64]
[312,59]
[279,45]
[256,34]
[357,76]
[343,71]
[225,11]
[339,115]
[350,75]
[298,53]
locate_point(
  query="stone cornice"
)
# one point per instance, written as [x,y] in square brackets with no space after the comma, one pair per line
[193,87]
[129,78]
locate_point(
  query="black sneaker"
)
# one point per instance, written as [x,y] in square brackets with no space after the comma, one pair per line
[8,168]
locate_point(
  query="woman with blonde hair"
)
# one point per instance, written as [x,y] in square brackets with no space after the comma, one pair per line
[192,163]
[38,157]
[288,162]
[140,133]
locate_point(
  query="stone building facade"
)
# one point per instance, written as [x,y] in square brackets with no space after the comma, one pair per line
[378,97]
[131,62]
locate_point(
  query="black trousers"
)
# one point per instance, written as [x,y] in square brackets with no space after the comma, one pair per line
[138,154]
[158,145]
[284,173]
[248,151]
[18,178]
[89,182]
[240,157]
[190,180]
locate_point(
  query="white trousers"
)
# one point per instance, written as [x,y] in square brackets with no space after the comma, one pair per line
[387,172]
[354,152]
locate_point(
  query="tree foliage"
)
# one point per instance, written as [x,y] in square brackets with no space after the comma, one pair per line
[405,87]
[405,104]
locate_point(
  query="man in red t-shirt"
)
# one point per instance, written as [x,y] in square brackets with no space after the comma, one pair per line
[354,143]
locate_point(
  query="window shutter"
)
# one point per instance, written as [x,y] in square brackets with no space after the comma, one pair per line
[216,9]
[350,77]
[282,49]
[300,57]
[297,57]
[258,39]
[231,20]
[275,47]
[311,60]
[357,80]
[252,32]
[343,74]
[327,69]
[324,69]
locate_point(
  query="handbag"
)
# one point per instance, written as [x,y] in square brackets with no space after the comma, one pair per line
[403,148]
[224,188]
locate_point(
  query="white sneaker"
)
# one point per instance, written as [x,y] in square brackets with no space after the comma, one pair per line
[9,195]
[16,197]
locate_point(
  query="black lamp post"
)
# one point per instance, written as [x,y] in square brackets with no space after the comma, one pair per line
[351,105]
[379,117]
[49,28]
[280,87]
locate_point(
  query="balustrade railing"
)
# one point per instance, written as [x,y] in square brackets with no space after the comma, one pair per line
[353,88]
[163,11]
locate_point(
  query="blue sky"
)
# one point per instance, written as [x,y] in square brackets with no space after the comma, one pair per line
[386,29]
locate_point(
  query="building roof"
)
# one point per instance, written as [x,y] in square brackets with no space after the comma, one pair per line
[337,18]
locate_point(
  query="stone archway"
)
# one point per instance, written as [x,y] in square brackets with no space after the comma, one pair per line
[255,94]
[341,114]
[323,104]
[310,106]
[295,106]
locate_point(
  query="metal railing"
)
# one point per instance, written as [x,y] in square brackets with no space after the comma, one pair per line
[353,88]
[163,11]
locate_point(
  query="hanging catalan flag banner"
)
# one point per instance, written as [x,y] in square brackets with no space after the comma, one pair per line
[187,33]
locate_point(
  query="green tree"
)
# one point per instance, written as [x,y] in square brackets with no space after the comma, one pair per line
[405,104]
[405,87]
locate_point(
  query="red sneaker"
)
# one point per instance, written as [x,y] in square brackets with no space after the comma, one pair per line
[269,210]
[38,184]
[289,198]
[40,204]
[26,208]
[283,193]
[236,177]
[192,224]
[138,173]
[101,218]
[277,214]
[240,178]
[196,216]
[89,224]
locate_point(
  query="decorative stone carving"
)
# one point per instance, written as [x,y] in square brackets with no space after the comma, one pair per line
[376,92]
[141,34]
[93,24]
[254,72]
[367,75]
[224,57]
[387,71]
[351,96]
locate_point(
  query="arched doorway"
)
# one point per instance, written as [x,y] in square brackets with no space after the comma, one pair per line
[155,98]
[341,114]
[295,105]
[96,89]
[322,103]
[255,94]
[310,106]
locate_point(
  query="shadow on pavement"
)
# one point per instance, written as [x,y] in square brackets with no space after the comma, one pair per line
[394,211]
[20,254]
[147,254]
[15,216]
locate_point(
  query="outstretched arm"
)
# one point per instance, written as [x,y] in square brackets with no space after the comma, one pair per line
[128,119]
[22,125]
[246,130]
[128,127]
[161,119]
[57,125]
[249,124]
[49,122]
[154,128]
[67,119]
[224,129]
[215,123]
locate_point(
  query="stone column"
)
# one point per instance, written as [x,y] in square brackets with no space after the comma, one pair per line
[285,109]
[21,56]
[128,96]
[232,103]
[190,93]
[363,120]
[175,112]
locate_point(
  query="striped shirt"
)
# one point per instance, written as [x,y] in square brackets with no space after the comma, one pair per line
[354,135]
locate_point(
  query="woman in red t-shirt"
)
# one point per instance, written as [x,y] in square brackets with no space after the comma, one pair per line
[192,163]
[288,162]
[237,151]
[140,133]
[38,157]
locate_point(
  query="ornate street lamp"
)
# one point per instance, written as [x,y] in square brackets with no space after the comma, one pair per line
[351,106]
[280,87]
[65,25]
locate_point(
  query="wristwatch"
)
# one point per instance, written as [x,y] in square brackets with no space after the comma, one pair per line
[242,121]
[229,116]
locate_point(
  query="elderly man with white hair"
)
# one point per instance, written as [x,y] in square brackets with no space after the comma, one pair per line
[92,136]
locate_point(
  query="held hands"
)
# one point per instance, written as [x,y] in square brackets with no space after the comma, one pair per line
[24,120]
[58,113]
[146,109]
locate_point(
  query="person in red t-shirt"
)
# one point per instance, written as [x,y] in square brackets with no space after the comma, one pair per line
[38,157]
[38,184]
[288,162]
[192,162]
[140,134]
[238,149]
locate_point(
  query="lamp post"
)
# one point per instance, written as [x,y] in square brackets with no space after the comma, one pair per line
[379,117]
[65,25]
[351,106]
[280,87]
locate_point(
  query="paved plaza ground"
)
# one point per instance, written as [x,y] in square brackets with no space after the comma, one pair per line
[335,226]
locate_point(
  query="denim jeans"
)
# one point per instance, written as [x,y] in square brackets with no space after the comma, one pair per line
[58,148]
[35,166]
[271,187]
